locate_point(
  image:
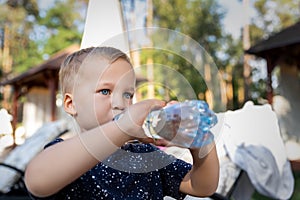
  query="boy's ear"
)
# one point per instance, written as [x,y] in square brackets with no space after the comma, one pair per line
[69,104]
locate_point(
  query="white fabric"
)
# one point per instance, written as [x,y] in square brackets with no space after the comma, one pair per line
[252,140]
[5,125]
[260,165]
[21,155]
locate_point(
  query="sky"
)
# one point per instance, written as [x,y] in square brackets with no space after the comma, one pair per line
[236,15]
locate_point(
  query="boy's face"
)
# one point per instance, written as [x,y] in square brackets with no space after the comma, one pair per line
[102,91]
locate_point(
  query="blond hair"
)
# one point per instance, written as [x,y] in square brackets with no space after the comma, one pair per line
[70,66]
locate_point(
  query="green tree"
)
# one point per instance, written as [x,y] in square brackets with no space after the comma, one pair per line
[272,17]
[63,24]
[17,19]
[32,35]
[233,61]
[204,26]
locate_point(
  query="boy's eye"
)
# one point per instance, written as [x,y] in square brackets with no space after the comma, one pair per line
[105,92]
[128,95]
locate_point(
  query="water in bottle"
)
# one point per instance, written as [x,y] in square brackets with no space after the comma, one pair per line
[186,124]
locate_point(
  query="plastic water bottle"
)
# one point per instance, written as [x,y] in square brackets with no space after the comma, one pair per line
[186,124]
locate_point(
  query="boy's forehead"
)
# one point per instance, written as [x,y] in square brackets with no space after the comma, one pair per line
[93,65]
[95,69]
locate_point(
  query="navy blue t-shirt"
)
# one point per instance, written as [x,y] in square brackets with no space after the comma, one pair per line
[135,171]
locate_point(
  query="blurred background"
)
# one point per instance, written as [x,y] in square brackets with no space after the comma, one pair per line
[255,44]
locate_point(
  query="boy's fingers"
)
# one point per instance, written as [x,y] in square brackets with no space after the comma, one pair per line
[161,142]
[147,140]
[172,102]
[157,104]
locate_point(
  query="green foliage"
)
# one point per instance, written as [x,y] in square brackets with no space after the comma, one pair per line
[62,39]
[256,34]
[35,35]
[296,194]
[234,68]
[273,16]
[16,23]
[203,26]
[61,22]
[178,79]
[62,14]
[27,58]
[30,6]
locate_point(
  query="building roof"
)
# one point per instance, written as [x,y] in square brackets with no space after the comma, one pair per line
[37,76]
[284,44]
[286,37]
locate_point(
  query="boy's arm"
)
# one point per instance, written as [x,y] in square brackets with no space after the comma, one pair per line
[202,179]
[62,163]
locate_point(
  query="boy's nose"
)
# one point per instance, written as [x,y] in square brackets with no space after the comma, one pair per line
[118,103]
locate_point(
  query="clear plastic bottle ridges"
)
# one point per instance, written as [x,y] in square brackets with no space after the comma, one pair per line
[186,124]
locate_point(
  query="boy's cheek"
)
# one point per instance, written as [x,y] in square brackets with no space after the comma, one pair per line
[104,118]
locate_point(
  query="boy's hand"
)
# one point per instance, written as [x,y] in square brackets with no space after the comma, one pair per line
[133,118]
[158,142]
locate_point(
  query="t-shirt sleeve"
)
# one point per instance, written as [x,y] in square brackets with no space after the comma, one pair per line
[172,175]
[57,140]
[41,198]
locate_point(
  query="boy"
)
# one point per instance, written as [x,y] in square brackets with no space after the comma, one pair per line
[101,162]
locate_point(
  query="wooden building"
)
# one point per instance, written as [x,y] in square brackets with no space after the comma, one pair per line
[282,52]
[39,86]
